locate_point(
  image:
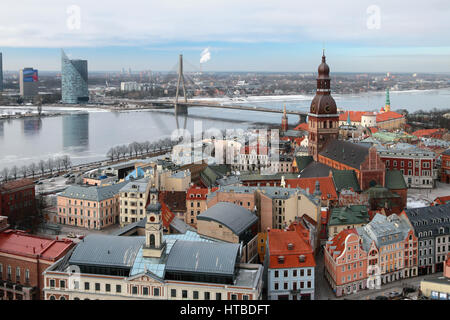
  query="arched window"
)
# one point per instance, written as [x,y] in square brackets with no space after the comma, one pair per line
[62,298]
[152,240]
[52,298]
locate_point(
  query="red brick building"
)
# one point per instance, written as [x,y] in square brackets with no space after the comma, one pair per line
[17,201]
[23,259]
[365,161]
[323,119]
[445,167]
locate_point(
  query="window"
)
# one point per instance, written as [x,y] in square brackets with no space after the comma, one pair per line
[184,294]
[107,287]
[27,274]
[97,287]
[233,297]
[62,284]
[173,293]
[145,291]
[276,285]
[207,295]
[218,296]
[309,272]
[285,273]
[276,273]
[86,286]
[156,292]
[52,283]
[195,294]
[134,290]
[118,288]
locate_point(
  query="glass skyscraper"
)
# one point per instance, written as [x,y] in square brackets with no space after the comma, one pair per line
[74,80]
[1,72]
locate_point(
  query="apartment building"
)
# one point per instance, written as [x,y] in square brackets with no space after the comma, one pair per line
[289,264]
[90,207]
[133,200]
[417,165]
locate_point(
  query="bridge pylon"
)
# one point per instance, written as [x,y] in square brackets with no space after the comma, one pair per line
[180,109]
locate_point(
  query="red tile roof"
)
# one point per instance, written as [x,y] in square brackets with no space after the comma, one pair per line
[389,115]
[16,184]
[326,186]
[373,129]
[442,200]
[338,240]
[427,132]
[198,193]
[23,244]
[302,127]
[278,246]
[355,116]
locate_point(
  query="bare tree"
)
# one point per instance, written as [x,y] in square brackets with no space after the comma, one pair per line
[59,163]
[146,146]
[32,169]
[50,165]
[5,174]
[110,154]
[130,149]
[66,162]
[14,172]
[41,166]
[24,171]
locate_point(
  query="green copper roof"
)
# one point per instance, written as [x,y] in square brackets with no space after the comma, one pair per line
[388,101]
[395,180]
[303,161]
[349,215]
[345,179]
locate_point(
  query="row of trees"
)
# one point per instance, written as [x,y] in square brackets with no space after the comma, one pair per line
[51,165]
[138,148]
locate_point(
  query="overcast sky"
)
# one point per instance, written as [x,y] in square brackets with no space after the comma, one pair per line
[246,35]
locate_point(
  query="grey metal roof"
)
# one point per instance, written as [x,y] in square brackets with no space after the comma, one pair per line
[107,250]
[92,193]
[315,170]
[383,230]
[430,219]
[235,217]
[136,186]
[203,257]
[345,152]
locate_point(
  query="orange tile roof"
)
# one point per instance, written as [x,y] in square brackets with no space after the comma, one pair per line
[355,116]
[278,246]
[302,127]
[326,186]
[339,240]
[427,132]
[442,200]
[373,129]
[389,115]
[196,190]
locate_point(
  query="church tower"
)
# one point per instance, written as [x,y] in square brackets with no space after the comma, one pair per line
[154,240]
[284,121]
[387,106]
[323,120]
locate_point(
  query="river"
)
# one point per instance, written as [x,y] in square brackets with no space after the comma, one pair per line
[86,134]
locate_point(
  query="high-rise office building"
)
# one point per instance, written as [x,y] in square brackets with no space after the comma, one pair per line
[1,72]
[28,82]
[74,80]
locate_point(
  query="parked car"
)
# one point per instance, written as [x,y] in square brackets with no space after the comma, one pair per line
[381,298]
[52,180]
[66,175]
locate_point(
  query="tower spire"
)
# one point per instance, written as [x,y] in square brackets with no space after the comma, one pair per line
[388,101]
